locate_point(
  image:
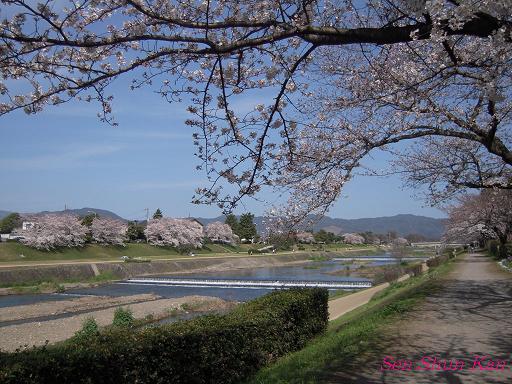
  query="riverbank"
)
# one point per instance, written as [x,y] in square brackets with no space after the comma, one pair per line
[51,322]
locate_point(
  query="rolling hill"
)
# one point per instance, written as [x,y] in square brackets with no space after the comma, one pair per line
[429,227]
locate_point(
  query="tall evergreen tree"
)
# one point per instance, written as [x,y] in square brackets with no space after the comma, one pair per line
[232,221]
[247,228]
[157,214]
[135,231]
[88,219]
[10,222]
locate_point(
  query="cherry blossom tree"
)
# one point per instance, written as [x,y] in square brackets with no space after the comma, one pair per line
[105,230]
[220,232]
[399,249]
[352,238]
[349,77]
[401,242]
[53,231]
[487,215]
[305,237]
[174,232]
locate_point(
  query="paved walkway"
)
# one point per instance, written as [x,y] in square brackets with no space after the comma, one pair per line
[471,316]
[338,307]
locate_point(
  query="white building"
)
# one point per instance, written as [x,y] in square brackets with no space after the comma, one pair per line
[28,225]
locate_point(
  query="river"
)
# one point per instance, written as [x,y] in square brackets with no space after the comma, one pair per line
[310,271]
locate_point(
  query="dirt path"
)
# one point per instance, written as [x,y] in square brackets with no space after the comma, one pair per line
[471,316]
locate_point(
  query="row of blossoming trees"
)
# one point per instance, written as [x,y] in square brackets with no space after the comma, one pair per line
[482,217]
[53,231]
[347,238]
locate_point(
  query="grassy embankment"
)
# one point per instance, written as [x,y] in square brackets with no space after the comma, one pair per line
[342,249]
[19,253]
[352,334]
[16,252]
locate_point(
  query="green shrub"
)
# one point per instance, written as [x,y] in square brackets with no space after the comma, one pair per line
[185,249]
[60,288]
[89,330]
[209,349]
[123,318]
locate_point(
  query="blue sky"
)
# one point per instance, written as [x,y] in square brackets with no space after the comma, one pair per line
[65,155]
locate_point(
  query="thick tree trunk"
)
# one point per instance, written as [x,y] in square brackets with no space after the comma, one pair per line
[503,254]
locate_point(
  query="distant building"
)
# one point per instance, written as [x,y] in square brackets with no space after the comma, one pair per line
[28,225]
[10,236]
[193,219]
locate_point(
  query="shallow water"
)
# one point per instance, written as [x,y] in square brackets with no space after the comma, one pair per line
[296,272]
[311,271]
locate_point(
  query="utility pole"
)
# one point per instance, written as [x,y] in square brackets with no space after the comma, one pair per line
[147,221]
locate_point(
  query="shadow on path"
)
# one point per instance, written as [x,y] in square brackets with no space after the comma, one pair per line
[470,316]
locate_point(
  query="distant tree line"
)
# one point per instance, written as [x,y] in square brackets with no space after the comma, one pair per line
[53,231]
[172,232]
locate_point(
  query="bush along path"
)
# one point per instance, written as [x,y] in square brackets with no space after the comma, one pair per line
[210,349]
[458,313]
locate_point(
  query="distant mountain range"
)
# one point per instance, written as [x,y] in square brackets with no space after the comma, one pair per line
[429,227]
[77,212]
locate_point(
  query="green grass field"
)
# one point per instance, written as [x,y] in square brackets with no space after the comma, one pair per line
[16,252]
[355,333]
[19,253]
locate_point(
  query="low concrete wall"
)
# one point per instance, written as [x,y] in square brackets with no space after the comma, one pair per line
[45,273]
[123,270]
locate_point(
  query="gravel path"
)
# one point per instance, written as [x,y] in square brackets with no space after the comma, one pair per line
[37,333]
[471,316]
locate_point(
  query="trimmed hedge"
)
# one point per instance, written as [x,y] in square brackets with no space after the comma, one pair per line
[438,260]
[208,349]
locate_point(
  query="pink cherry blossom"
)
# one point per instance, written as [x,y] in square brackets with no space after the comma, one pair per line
[174,232]
[352,238]
[348,78]
[105,230]
[53,231]
[220,232]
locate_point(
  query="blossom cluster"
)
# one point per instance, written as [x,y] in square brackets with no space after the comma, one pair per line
[53,231]
[220,232]
[174,232]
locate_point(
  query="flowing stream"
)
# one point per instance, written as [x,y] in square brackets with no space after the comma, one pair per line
[314,271]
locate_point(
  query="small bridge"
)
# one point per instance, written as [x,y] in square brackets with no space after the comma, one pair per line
[248,284]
